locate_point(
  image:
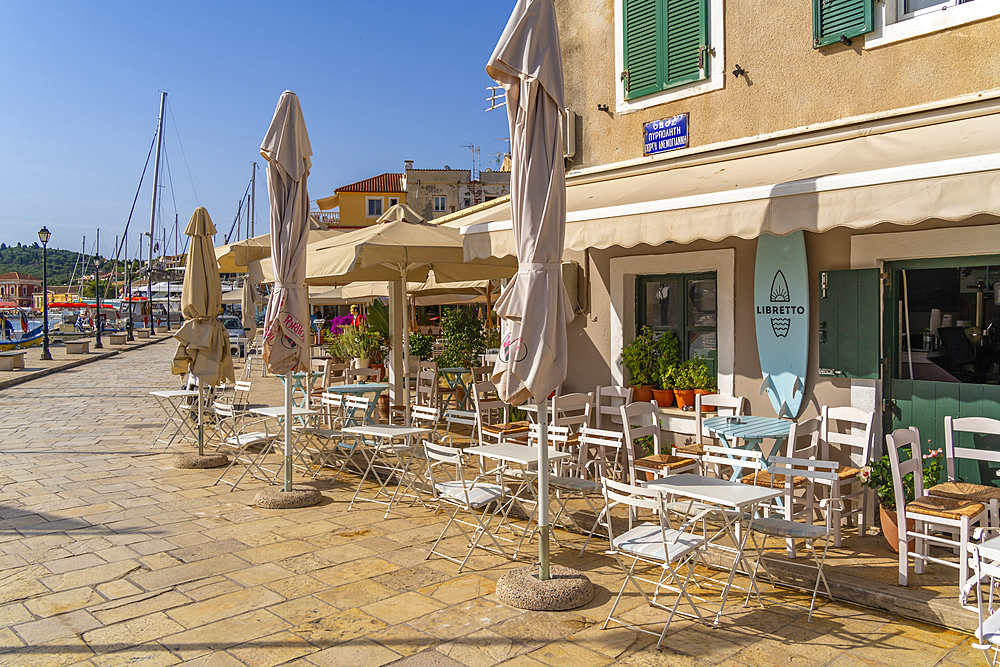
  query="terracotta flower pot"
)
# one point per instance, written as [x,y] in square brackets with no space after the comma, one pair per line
[703,392]
[890,529]
[664,397]
[642,392]
[685,397]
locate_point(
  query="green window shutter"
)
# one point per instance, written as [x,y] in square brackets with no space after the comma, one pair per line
[685,33]
[849,323]
[642,19]
[835,19]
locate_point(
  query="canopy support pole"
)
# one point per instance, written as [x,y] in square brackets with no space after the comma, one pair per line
[543,490]
[405,342]
[288,431]
[201,418]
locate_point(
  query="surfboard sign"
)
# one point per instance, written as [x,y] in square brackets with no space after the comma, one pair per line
[781,316]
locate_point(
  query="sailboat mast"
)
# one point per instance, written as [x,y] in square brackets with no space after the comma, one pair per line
[152,210]
[253,194]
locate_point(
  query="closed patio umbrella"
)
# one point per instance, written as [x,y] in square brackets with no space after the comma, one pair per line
[287,151]
[528,64]
[248,309]
[203,342]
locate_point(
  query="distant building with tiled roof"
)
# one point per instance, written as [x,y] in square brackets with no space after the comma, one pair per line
[19,288]
[362,203]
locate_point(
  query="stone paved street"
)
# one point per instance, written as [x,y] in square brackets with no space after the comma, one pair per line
[109,557]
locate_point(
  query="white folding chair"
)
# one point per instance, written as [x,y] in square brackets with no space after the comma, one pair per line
[585,483]
[977,428]
[459,420]
[671,553]
[799,496]
[353,375]
[926,511]
[985,561]
[642,421]
[852,431]
[783,528]
[607,406]
[241,434]
[572,410]
[446,477]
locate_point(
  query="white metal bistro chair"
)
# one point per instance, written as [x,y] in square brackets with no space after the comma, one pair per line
[239,433]
[852,431]
[446,476]
[985,562]
[926,511]
[783,528]
[585,483]
[456,422]
[668,551]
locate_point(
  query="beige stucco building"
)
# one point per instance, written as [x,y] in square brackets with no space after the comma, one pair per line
[875,133]
[435,193]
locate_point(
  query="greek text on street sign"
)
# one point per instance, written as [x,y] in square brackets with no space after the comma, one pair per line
[664,135]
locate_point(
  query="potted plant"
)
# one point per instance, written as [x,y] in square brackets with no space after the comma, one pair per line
[669,350]
[639,357]
[684,385]
[357,344]
[877,475]
[703,379]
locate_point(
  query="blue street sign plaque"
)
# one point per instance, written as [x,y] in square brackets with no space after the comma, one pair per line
[665,135]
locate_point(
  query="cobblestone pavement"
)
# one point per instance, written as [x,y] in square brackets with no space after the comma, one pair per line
[109,556]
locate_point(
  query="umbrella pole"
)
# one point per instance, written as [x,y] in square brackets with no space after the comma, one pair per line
[201,419]
[288,431]
[406,355]
[543,490]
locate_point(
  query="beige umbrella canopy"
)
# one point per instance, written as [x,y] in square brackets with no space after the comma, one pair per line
[203,343]
[237,256]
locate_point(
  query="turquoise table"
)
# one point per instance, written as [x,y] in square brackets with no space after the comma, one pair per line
[360,389]
[300,383]
[455,377]
[752,430]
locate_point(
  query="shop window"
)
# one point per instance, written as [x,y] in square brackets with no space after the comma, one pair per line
[947,321]
[684,303]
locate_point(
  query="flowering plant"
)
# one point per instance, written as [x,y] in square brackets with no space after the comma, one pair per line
[337,324]
[878,476]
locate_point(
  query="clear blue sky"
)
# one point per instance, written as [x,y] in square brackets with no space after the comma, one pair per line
[379,82]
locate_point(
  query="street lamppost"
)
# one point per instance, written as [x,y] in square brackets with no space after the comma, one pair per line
[43,236]
[97,293]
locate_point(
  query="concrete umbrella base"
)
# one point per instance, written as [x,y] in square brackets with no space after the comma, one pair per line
[275,498]
[566,589]
[193,461]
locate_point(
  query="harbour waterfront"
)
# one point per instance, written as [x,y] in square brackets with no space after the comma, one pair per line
[110,556]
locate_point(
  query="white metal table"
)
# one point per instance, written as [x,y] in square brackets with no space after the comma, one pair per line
[524,457]
[742,501]
[170,402]
[376,451]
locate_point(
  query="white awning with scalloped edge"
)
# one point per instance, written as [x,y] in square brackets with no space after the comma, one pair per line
[948,171]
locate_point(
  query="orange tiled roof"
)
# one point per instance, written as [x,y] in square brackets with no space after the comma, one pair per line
[382,183]
[15,275]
